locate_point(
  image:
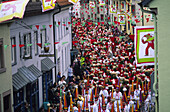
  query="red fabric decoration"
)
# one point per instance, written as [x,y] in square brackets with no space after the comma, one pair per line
[56,42]
[50,26]
[137,21]
[13,46]
[132,36]
[115,22]
[58,23]
[147,19]
[102,23]
[21,45]
[37,26]
[39,44]
[69,22]
[98,23]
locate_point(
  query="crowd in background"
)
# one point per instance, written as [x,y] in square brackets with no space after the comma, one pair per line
[104,76]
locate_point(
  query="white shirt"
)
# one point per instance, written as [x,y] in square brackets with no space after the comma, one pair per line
[70,71]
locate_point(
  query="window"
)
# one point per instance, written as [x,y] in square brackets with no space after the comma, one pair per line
[58,63]
[133,10]
[43,37]
[62,61]
[66,61]
[122,5]
[13,51]
[27,47]
[97,9]
[64,26]
[35,42]
[117,6]
[128,25]
[18,100]
[7,101]
[61,28]
[2,63]
[101,17]
[92,15]
[67,20]
[59,32]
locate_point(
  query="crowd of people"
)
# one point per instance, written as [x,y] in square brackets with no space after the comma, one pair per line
[104,76]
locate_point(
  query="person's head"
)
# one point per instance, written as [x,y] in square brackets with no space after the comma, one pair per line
[59,73]
[117,90]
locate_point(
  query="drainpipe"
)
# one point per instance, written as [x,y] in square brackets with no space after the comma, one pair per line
[156,53]
[54,36]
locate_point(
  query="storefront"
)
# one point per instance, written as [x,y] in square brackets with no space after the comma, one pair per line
[26,89]
[47,79]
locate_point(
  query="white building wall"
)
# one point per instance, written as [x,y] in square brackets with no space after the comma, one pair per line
[45,19]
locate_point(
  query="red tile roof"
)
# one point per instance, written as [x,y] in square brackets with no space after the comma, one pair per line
[63,2]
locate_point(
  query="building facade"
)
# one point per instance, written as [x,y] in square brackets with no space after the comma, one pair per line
[112,10]
[161,9]
[6,90]
[35,62]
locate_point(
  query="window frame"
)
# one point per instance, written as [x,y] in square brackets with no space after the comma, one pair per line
[15,55]
[27,56]
[45,40]
[35,42]
[2,69]
[10,103]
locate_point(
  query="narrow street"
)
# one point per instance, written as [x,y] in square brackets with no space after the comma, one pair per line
[110,76]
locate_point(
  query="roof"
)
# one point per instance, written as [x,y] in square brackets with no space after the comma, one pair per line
[63,2]
[18,81]
[27,74]
[145,2]
[35,71]
[47,64]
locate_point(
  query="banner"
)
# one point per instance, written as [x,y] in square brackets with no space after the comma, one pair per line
[73,1]
[92,4]
[121,19]
[11,9]
[101,2]
[48,5]
[144,45]
[112,9]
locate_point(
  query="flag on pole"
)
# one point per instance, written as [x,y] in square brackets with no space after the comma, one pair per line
[48,5]
[144,45]
[11,9]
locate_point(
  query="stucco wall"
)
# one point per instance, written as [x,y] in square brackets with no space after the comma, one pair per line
[6,77]
[163,31]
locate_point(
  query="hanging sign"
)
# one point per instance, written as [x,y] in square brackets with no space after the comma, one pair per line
[73,1]
[112,9]
[92,4]
[101,2]
[11,9]
[48,5]
[121,19]
[144,45]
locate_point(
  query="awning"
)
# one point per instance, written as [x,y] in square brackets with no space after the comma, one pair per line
[47,64]
[18,81]
[35,71]
[27,74]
